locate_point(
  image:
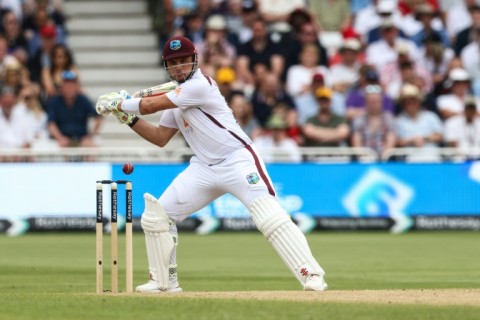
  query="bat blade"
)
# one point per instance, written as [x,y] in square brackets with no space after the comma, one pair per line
[156,90]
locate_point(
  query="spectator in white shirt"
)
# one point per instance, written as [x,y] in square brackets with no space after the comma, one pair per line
[453,103]
[416,127]
[463,131]
[385,51]
[299,76]
[15,125]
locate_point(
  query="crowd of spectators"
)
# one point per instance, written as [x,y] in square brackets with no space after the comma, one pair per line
[380,74]
[297,73]
[41,99]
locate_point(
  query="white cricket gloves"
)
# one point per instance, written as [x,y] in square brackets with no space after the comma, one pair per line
[108,104]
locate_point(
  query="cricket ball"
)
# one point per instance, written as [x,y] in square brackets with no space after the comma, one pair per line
[127,168]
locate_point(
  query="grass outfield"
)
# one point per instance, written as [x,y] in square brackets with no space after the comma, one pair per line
[435,275]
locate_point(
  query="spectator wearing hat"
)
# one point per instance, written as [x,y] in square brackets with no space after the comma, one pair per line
[385,50]
[416,127]
[215,51]
[368,20]
[299,76]
[274,144]
[344,74]
[260,50]
[470,57]
[355,101]
[463,131]
[386,14]
[243,113]
[69,113]
[453,103]
[325,129]
[375,128]
[307,105]
[425,13]
[225,78]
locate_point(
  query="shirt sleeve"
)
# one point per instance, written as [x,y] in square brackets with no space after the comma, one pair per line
[192,93]
[168,119]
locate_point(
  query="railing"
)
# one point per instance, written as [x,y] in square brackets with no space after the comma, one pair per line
[110,154]
[155,154]
[183,154]
[428,154]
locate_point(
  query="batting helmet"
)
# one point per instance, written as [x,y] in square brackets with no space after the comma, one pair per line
[177,47]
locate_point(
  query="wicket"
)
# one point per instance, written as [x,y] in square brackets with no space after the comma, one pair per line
[114,235]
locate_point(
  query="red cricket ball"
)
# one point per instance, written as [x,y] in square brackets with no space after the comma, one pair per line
[127,168]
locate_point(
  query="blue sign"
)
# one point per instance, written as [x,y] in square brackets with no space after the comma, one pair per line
[341,190]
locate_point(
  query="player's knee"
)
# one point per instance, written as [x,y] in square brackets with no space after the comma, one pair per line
[154,218]
[268,215]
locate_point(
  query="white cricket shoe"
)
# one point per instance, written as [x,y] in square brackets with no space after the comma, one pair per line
[315,283]
[152,287]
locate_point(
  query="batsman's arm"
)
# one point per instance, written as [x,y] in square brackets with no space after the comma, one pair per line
[158,135]
[146,105]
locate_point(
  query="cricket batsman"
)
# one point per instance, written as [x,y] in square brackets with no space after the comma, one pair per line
[225,161]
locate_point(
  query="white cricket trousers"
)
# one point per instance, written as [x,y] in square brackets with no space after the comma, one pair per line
[243,175]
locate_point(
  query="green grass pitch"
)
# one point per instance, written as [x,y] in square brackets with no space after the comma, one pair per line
[52,276]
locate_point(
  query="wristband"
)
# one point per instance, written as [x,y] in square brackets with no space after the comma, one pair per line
[131,105]
[134,121]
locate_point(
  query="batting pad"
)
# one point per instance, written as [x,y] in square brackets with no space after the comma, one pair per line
[287,239]
[158,240]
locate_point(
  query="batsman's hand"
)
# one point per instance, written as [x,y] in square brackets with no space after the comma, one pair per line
[122,117]
[109,102]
